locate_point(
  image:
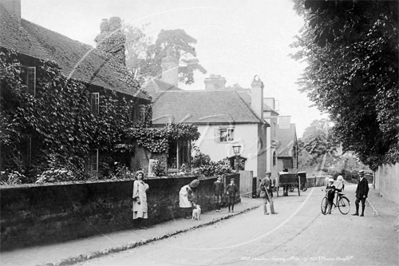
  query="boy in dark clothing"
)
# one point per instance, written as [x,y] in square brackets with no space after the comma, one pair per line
[231,191]
[218,189]
[331,193]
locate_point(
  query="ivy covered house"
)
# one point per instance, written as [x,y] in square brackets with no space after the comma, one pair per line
[63,102]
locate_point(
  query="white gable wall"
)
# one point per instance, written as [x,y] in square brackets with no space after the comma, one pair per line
[245,135]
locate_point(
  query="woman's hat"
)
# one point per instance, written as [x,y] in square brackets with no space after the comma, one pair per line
[140,171]
[330,180]
[194,183]
[340,178]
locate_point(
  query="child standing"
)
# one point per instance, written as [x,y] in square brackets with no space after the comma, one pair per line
[231,191]
[330,194]
[218,192]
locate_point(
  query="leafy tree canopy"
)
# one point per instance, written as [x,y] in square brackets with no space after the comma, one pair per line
[319,140]
[351,48]
[145,57]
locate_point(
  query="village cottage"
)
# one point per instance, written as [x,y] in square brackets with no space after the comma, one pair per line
[102,75]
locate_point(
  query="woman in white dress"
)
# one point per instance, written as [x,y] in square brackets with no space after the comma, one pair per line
[186,198]
[140,209]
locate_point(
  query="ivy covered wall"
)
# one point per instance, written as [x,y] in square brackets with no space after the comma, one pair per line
[57,123]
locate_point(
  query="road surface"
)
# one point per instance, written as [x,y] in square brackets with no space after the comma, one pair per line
[298,235]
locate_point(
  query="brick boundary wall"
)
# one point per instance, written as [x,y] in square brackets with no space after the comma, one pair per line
[38,215]
[387,181]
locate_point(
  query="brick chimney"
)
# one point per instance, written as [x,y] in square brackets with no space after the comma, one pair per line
[257,96]
[13,7]
[215,82]
[170,69]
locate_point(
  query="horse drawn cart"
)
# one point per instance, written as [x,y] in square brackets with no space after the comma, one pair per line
[288,181]
[302,177]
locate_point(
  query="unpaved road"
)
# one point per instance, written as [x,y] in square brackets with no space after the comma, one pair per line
[298,235]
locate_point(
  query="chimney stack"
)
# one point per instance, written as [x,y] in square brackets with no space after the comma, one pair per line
[170,69]
[257,96]
[215,82]
[13,7]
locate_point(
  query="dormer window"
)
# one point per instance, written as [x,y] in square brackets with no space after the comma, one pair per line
[95,102]
[28,76]
[139,112]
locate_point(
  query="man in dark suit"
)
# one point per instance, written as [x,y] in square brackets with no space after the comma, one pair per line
[362,191]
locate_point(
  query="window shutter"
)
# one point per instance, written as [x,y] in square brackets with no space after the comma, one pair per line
[216,134]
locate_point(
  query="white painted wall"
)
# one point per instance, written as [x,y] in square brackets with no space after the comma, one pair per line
[244,135]
[271,135]
[387,181]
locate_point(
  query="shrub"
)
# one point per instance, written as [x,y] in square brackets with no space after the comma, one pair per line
[10,179]
[158,169]
[55,175]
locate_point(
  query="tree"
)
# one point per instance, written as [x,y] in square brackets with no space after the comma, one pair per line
[318,140]
[148,64]
[351,48]
[137,43]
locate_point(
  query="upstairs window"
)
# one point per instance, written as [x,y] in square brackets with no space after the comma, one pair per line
[28,76]
[93,161]
[95,102]
[224,134]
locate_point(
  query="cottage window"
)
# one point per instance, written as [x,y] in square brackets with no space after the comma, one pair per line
[224,135]
[28,76]
[142,110]
[179,154]
[93,161]
[138,113]
[95,102]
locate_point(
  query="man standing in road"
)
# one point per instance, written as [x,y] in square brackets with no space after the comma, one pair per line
[362,191]
[267,184]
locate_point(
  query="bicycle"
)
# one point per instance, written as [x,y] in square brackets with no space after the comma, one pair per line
[343,204]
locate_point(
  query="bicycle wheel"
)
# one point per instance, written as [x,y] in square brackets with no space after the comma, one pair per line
[344,205]
[324,205]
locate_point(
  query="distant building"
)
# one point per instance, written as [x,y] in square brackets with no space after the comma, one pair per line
[287,150]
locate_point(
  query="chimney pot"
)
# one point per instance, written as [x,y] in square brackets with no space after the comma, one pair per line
[257,96]
[215,82]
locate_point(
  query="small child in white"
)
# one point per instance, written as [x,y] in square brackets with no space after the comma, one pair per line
[196,212]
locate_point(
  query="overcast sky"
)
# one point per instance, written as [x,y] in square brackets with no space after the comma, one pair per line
[237,39]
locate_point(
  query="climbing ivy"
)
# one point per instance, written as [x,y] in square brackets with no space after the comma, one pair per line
[58,119]
[157,140]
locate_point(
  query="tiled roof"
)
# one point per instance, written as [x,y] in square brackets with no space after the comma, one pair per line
[77,60]
[287,138]
[201,107]
[155,85]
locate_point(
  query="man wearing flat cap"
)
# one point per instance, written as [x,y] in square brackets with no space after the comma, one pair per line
[362,191]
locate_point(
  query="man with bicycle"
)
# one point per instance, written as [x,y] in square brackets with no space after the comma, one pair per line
[362,191]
